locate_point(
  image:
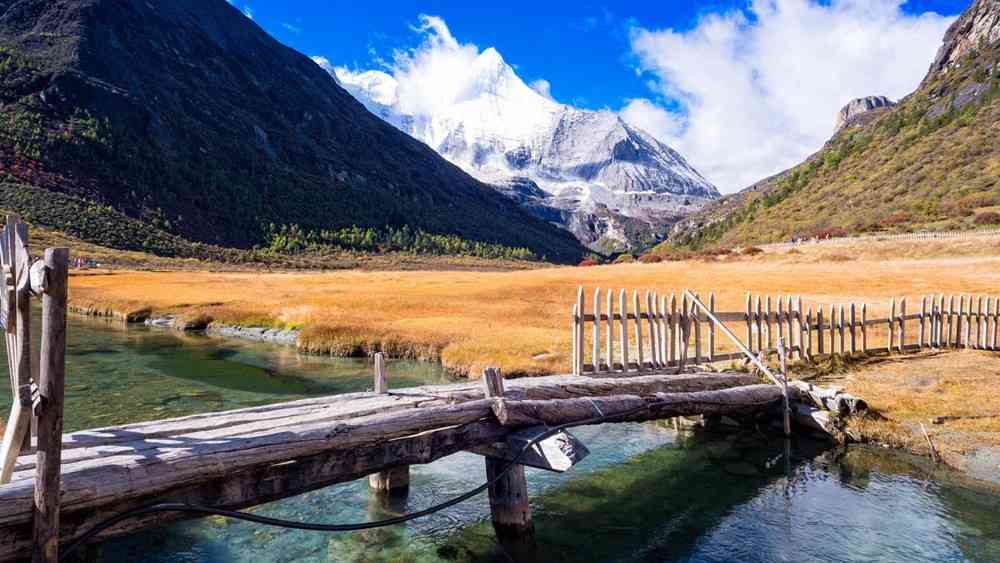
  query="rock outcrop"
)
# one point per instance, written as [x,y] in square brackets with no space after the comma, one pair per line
[979,26]
[858,109]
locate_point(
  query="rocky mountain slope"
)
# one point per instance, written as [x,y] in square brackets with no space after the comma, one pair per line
[932,161]
[188,117]
[588,171]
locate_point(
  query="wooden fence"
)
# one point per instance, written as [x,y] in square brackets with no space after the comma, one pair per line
[629,332]
[925,235]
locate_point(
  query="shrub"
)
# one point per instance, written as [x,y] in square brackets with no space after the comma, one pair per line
[650,258]
[625,258]
[588,263]
[830,232]
[896,218]
[987,218]
[751,251]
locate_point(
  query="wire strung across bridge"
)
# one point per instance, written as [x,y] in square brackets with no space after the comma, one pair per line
[357,526]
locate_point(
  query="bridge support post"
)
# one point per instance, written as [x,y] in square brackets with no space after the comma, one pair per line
[48,407]
[397,479]
[509,508]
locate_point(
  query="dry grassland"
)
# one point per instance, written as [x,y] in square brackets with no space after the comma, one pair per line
[519,320]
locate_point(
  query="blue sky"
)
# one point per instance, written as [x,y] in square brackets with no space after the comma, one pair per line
[644,59]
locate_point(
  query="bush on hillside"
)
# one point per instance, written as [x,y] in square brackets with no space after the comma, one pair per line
[751,251]
[588,263]
[896,218]
[651,258]
[987,218]
[625,259]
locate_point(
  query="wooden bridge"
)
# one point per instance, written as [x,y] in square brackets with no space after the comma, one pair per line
[55,487]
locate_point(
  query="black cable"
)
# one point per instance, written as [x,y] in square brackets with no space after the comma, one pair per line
[212,511]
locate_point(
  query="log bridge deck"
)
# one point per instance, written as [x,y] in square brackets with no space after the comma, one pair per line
[240,458]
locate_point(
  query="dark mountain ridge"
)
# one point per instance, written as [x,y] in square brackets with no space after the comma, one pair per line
[188,116]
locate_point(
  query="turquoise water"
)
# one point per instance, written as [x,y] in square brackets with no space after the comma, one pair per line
[646,492]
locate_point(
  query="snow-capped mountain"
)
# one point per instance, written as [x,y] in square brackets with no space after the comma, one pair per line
[610,183]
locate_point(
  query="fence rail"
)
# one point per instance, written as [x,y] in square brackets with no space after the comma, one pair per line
[629,332]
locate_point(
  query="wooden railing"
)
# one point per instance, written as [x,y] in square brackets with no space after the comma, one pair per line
[636,332]
[924,235]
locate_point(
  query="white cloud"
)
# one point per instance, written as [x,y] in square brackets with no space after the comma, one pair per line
[543,87]
[324,63]
[293,28]
[758,91]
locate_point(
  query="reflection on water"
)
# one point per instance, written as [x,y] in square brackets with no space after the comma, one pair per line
[117,374]
[646,493]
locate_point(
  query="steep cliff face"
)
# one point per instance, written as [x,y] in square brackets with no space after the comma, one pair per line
[932,161]
[188,116]
[978,27]
[602,172]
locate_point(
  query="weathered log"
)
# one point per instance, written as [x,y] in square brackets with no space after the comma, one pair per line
[263,483]
[822,421]
[829,398]
[741,400]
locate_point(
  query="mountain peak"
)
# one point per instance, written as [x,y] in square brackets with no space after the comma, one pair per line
[858,109]
[977,27]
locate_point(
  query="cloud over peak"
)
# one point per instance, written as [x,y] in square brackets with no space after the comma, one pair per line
[755,91]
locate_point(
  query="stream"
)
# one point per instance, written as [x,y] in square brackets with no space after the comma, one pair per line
[645,493]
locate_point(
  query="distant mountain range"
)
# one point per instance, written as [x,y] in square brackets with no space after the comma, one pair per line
[606,181]
[930,161]
[127,122]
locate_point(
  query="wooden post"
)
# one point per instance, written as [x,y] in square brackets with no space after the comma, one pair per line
[685,330]
[654,330]
[711,329]
[623,330]
[980,341]
[784,387]
[757,324]
[575,349]
[767,324]
[610,326]
[778,318]
[820,345]
[672,323]
[923,322]
[854,332]
[792,316]
[960,335]
[509,495]
[952,337]
[833,330]
[902,324]
[49,411]
[664,332]
[891,325]
[696,319]
[579,334]
[749,319]
[397,479]
[597,330]
[638,328]
[842,331]
[996,324]
[864,328]
[809,338]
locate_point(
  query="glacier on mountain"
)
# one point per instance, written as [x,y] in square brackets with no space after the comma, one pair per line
[613,185]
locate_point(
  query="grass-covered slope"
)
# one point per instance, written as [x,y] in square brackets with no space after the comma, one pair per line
[931,162]
[187,117]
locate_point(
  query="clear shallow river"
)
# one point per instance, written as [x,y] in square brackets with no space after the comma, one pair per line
[646,493]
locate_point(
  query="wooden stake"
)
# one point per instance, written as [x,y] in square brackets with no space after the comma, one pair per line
[833,330]
[923,321]
[638,328]
[809,338]
[672,323]
[891,325]
[397,479]
[864,328]
[902,324]
[654,333]
[767,323]
[52,374]
[964,318]
[623,330]
[576,331]
[820,344]
[749,318]
[757,325]
[842,331]
[696,319]
[579,334]
[854,333]
[509,495]
[597,331]
[711,329]
[610,326]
